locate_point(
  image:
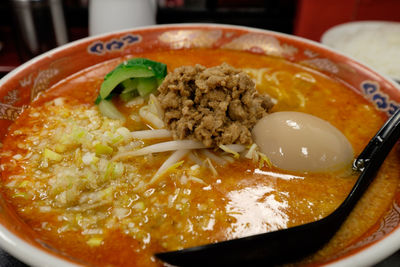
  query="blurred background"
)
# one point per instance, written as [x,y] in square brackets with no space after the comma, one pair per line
[31,27]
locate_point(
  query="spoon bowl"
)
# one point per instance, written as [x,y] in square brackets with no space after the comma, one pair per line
[293,243]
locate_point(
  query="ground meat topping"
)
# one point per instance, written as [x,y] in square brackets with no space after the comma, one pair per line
[217,105]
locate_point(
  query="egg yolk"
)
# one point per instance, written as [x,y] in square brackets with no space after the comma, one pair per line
[296,141]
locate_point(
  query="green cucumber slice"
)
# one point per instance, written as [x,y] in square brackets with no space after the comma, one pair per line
[128,95]
[129,85]
[120,74]
[108,109]
[146,85]
[137,76]
[159,69]
[132,68]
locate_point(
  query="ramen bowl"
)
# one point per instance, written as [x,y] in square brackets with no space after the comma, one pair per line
[19,88]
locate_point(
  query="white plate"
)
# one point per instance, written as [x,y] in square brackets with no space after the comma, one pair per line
[376,43]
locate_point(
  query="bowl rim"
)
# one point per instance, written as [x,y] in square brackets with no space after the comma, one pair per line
[29,254]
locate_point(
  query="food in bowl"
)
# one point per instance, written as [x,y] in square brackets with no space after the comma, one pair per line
[373,42]
[93,188]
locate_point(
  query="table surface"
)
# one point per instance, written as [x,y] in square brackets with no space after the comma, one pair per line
[6,260]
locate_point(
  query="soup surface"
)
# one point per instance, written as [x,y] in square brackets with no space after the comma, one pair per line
[58,172]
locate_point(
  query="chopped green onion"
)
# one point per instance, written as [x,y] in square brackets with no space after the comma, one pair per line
[109,171]
[95,241]
[78,134]
[20,194]
[24,184]
[107,193]
[49,154]
[119,169]
[60,148]
[139,205]
[264,159]
[101,149]
[229,150]
[117,139]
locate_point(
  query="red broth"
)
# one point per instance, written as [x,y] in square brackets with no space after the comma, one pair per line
[93,211]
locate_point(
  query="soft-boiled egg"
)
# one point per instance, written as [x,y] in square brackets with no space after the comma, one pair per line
[296,141]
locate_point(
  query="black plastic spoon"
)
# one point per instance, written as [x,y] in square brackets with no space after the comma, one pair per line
[293,243]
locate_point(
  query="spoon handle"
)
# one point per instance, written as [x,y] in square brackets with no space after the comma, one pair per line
[380,143]
[371,158]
